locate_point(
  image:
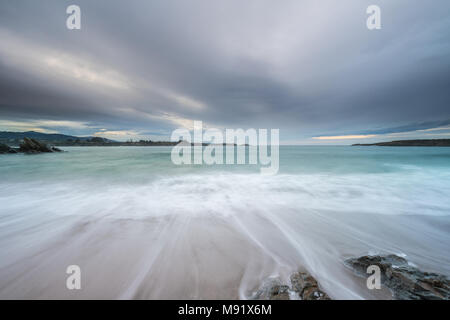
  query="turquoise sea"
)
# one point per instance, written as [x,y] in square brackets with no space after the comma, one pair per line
[141,227]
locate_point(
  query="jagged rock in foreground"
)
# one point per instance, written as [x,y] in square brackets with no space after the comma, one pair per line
[303,286]
[6,149]
[405,281]
[30,145]
[272,289]
[307,287]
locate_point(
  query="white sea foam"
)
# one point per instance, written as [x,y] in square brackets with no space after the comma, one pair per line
[214,235]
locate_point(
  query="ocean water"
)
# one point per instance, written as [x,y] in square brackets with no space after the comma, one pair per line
[141,227]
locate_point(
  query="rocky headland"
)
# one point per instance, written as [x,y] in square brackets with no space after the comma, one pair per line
[409,143]
[29,146]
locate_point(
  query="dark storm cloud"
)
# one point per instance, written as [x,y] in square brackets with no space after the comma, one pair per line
[306,67]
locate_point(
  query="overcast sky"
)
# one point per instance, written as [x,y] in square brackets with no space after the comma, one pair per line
[142,68]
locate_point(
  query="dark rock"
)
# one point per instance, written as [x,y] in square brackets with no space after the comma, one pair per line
[272,289]
[303,285]
[6,149]
[307,287]
[405,281]
[30,145]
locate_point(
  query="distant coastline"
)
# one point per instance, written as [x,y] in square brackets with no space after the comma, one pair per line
[410,143]
[61,140]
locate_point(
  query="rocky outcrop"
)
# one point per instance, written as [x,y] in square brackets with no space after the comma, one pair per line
[6,149]
[307,287]
[272,289]
[303,286]
[30,145]
[405,281]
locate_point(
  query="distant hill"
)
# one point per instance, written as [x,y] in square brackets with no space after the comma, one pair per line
[410,143]
[38,135]
[15,138]
[56,139]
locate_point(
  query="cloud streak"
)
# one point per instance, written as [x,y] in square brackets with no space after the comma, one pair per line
[349,137]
